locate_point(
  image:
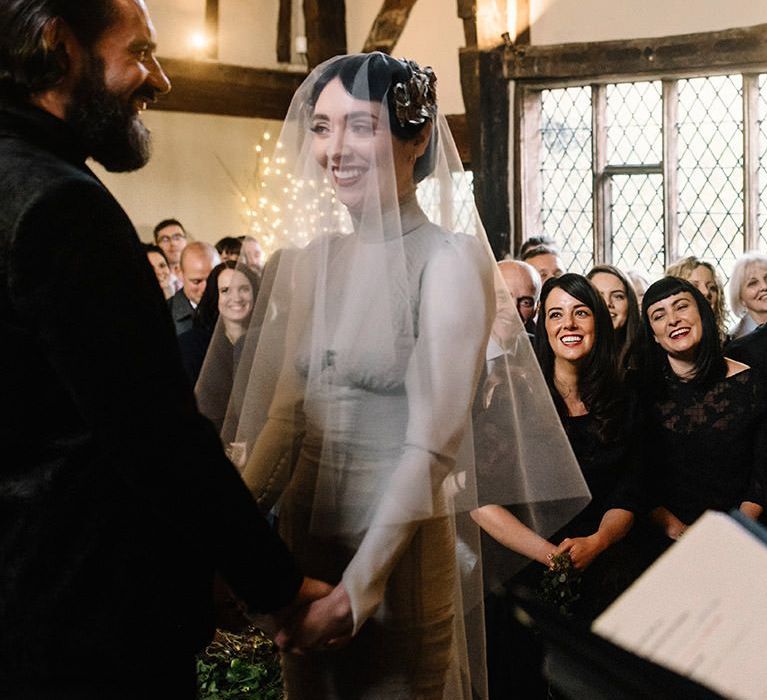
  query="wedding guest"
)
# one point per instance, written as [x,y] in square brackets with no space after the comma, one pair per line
[618,294]
[197,260]
[253,254]
[170,235]
[575,344]
[706,413]
[545,259]
[159,264]
[229,248]
[524,285]
[748,293]
[534,242]
[702,275]
[229,294]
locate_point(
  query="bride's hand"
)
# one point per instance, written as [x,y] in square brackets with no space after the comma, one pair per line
[326,623]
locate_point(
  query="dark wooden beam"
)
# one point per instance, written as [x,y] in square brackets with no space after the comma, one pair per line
[284,31]
[467,12]
[216,88]
[486,96]
[731,48]
[459,128]
[211,28]
[325,29]
[388,25]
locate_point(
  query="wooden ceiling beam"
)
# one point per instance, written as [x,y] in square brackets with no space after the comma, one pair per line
[325,22]
[217,88]
[683,53]
[388,26]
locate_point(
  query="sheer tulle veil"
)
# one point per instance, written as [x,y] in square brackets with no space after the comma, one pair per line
[369,408]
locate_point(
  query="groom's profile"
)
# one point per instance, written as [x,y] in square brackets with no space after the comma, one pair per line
[117,504]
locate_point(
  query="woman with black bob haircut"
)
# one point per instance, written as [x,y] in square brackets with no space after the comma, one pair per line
[706,414]
[575,344]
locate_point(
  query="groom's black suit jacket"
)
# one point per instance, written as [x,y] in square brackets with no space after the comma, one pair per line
[116,500]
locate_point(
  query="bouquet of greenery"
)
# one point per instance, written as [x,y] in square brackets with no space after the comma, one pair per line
[560,584]
[239,667]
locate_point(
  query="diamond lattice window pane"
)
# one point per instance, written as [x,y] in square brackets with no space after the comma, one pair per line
[763,162]
[637,221]
[634,117]
[455,210]
[566,210]
[710,172]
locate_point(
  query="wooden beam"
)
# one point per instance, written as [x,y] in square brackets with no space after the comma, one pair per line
[743,47]
[486,96]
[467,12]
[388,25]
[325,29]
[459,128]
[211,28]
[284,31]
[216,88]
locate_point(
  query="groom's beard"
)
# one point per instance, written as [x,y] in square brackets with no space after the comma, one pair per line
[110,130]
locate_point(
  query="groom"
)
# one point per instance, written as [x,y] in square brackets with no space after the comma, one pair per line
[117,504]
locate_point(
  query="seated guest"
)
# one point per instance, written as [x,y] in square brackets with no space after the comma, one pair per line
[170,235]
[575,343]
[702,275]
[618,293]
[524,285]
[252,253]
[229,248]
[228,302]
[706,414]
[197,260]
[545,259]
[748,293]
[159,264]
[534,242]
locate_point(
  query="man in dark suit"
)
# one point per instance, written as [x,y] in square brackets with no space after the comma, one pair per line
[117,504]
[197,260]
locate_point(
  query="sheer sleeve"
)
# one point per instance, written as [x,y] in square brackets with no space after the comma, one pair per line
[455,313]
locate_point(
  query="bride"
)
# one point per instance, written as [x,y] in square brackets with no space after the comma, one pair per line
[354,410]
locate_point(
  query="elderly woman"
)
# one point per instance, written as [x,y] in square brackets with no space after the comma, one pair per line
[706,413]
[702,275]
[748,293]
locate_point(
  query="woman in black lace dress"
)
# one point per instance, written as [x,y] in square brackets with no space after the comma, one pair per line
[706,414]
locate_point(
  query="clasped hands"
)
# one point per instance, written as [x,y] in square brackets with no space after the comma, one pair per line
[582,550]
[319,618]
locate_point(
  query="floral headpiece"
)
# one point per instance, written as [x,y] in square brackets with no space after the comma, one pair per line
[415,100]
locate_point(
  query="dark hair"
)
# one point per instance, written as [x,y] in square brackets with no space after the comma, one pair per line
[535,242]
[229,245]
[28,63]
[164,224]
[598,381]
[207,310]
[627,337]
[710,364]
[535,251]
[152,248]
[383,72]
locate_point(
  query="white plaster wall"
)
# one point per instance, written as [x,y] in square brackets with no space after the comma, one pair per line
[563,21]
[185,179]
[433,36]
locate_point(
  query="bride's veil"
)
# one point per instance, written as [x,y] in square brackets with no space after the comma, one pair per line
[366,343]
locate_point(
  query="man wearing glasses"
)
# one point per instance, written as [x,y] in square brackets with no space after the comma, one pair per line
[170,235]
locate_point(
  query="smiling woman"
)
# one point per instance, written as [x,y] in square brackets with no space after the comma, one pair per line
[706,414]
[575,344]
